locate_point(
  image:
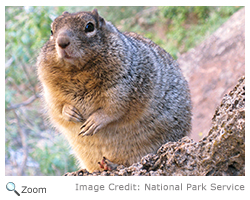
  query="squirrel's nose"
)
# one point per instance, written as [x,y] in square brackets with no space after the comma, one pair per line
[63,41]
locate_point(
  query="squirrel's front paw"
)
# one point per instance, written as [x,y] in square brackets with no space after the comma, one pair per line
[70,113]
[96,121]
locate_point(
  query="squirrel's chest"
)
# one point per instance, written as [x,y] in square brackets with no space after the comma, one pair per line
[81,90]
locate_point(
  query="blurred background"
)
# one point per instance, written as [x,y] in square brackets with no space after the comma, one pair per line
[32,146]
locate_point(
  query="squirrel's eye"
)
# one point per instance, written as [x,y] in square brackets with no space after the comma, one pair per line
[51,32]
[89,27]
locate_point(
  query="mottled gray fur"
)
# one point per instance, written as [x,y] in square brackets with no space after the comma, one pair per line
[112,94]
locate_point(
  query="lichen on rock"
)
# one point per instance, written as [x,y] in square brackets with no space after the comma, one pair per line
[220,153]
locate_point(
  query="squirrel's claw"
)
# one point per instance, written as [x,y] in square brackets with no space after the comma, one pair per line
[88,128]
[70,113]
[106,164]
[95,122]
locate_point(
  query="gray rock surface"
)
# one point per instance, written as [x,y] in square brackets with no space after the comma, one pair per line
[212,69]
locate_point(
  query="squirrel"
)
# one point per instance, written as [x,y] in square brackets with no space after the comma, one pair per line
[115,96]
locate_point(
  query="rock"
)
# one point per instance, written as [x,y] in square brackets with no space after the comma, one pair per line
[212,69]
[220,153]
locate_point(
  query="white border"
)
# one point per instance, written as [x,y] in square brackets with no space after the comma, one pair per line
[64,187]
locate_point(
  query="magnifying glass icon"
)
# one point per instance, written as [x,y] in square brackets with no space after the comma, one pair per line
[11,187]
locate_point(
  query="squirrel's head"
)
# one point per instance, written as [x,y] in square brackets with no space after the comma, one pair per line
[78,37]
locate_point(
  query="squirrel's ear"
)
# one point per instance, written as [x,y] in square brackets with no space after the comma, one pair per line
[65,12]
[95,13]
[99,19]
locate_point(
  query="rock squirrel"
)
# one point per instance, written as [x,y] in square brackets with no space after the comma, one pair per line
[112,94]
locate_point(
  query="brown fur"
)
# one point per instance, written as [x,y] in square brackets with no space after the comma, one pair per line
[118,95]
